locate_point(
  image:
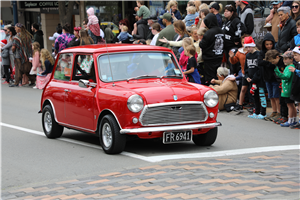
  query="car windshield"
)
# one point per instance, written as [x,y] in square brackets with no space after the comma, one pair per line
[127,66]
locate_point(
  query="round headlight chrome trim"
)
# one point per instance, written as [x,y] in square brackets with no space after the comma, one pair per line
[135,103]
[211,98]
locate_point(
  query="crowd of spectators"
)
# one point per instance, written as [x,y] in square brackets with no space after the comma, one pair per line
[220,52]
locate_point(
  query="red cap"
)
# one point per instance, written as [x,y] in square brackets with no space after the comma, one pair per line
[245,2]
[77,28]
[249,42]
[4,41]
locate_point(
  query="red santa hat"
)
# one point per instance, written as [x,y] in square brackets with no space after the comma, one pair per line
[249,42]
[4,42]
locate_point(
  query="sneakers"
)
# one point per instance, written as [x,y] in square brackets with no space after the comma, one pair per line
[31,84]
[281,120]
[268,118]
[251,110]
[287,124]
[260,116]
[254,116]
[5,82]
[34,87]
[249,105]
[268,25]
[296,126]
[275,118]
[238,109]
[13,85]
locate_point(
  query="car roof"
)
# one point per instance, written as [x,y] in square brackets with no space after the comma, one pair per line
[101,48]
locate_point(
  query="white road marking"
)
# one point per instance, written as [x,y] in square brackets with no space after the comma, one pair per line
[170,157]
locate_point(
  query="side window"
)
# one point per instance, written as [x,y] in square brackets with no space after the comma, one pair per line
[64,67]
[84,67]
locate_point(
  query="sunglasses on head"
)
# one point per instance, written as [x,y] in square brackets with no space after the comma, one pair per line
[295,7]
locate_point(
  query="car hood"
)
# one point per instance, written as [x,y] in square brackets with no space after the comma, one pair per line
[164,90]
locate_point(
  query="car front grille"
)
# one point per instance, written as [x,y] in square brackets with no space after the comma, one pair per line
[165,114]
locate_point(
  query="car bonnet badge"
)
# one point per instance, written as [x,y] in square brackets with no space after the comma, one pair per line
[175,97]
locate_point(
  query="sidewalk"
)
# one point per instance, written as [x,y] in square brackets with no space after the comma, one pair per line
[272,175]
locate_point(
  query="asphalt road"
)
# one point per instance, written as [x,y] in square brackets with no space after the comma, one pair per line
[29,158]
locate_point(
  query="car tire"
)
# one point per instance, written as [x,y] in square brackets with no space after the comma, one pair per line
[51,128]
[112,142]
[206,139]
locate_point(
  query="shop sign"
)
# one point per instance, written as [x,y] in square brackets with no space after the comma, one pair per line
[39,4]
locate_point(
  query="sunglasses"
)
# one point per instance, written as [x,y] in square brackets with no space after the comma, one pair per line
[295,7]
[5,30]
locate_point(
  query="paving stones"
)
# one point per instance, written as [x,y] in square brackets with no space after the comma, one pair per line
[272,175]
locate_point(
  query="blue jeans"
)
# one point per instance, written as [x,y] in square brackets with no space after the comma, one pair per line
[273,89]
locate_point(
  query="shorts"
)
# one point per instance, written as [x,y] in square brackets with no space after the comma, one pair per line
[287,100]
[245,82]
[273,89]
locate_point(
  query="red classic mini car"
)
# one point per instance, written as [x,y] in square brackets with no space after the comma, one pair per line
[120,91]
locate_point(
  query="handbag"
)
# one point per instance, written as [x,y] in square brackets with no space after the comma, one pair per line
[230,106]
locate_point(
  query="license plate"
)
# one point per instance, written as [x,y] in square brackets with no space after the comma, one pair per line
[177,136]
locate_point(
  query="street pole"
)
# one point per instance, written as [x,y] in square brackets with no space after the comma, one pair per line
[15,11]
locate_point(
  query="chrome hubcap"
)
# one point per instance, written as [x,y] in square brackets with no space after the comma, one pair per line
[107,135]
[48,121]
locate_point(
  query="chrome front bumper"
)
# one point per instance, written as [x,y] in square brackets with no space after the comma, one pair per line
[170,128]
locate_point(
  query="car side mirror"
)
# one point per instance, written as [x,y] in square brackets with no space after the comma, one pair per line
[85,83]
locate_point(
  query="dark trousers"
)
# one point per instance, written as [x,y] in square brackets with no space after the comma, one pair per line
[260,101]
[283,107]
[7,72]
[210,69]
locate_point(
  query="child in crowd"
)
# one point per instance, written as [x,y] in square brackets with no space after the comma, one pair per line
[155,29]
[141,10]
[47,62]
[269,76]
[93,25]
[124,35]
[191,16]
[253,77]
[183,58]
[191,70]
[200,66]
[273,56]
[295,94]
[296,39]
[240,56]
[287,78]
[36,63]
[5,61]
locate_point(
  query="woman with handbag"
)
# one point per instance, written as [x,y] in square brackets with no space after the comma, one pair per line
[226,89]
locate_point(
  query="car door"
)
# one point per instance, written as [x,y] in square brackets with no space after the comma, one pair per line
[59,85]
[80,102]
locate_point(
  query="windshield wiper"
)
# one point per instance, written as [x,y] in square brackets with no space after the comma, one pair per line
[142,76]
[171,76]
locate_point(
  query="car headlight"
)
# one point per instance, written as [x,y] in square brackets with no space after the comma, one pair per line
[211,98]
[135,103]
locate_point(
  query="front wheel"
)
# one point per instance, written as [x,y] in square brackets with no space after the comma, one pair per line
[206,139]
[51,128]
[111,140]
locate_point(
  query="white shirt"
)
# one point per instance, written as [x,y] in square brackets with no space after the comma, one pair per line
[154,39]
